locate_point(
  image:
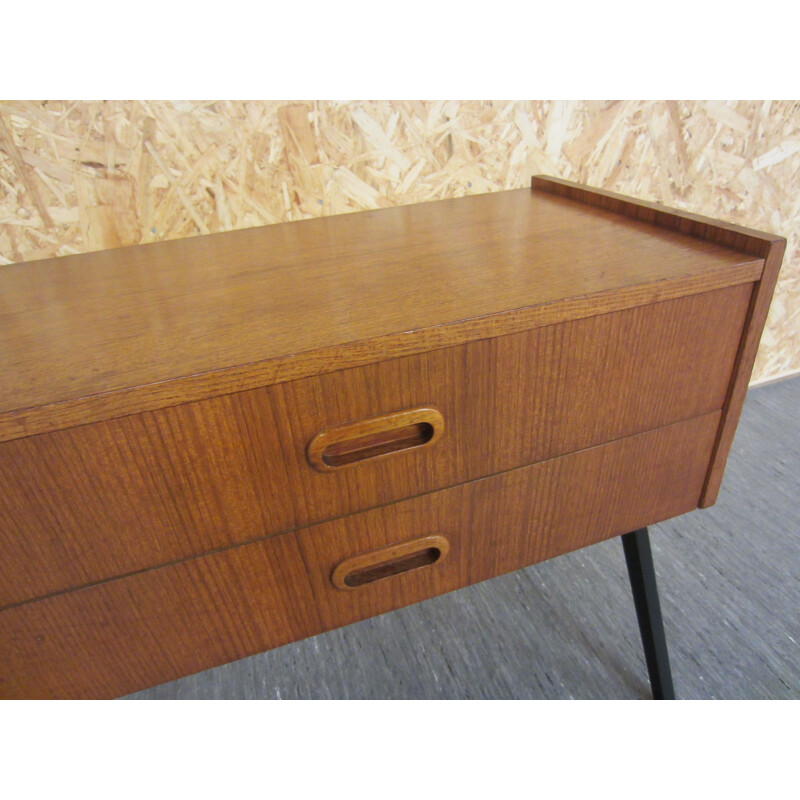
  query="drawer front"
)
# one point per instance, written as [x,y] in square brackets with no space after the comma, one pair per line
[158,625]
[103,500]
[100,500]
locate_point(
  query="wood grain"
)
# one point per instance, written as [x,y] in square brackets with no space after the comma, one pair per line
[100,335]
[566,628]
[748,349]
[161,624]
[725,234]
[768,246]
[97,501]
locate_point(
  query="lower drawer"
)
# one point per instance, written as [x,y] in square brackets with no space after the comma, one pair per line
[157,625]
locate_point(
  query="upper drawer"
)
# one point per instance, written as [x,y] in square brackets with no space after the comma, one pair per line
[96,501]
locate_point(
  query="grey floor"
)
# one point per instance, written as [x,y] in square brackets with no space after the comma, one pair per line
[729,580]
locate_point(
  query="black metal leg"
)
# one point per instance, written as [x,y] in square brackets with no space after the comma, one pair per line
[639,558]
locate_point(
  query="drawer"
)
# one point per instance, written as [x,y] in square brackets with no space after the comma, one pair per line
[84,504]
[160,624]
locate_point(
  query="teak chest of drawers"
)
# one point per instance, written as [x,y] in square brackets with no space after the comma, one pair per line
[215,446]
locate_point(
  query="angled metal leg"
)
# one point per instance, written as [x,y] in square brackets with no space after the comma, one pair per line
[639,559]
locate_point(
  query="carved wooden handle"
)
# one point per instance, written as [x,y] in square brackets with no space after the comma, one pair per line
[388,561]
[367,439]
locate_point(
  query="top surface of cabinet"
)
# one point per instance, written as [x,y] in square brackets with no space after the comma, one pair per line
[94,336]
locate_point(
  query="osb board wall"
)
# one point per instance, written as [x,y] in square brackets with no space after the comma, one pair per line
[79,176]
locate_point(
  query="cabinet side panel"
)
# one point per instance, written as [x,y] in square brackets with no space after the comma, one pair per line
[745,359]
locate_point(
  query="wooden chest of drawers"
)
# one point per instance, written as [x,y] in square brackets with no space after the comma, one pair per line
[215,446]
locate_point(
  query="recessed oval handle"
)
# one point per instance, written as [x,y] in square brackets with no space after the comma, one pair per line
[367,439]
[389,561]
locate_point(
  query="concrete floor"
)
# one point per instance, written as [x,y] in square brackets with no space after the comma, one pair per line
[729,579]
